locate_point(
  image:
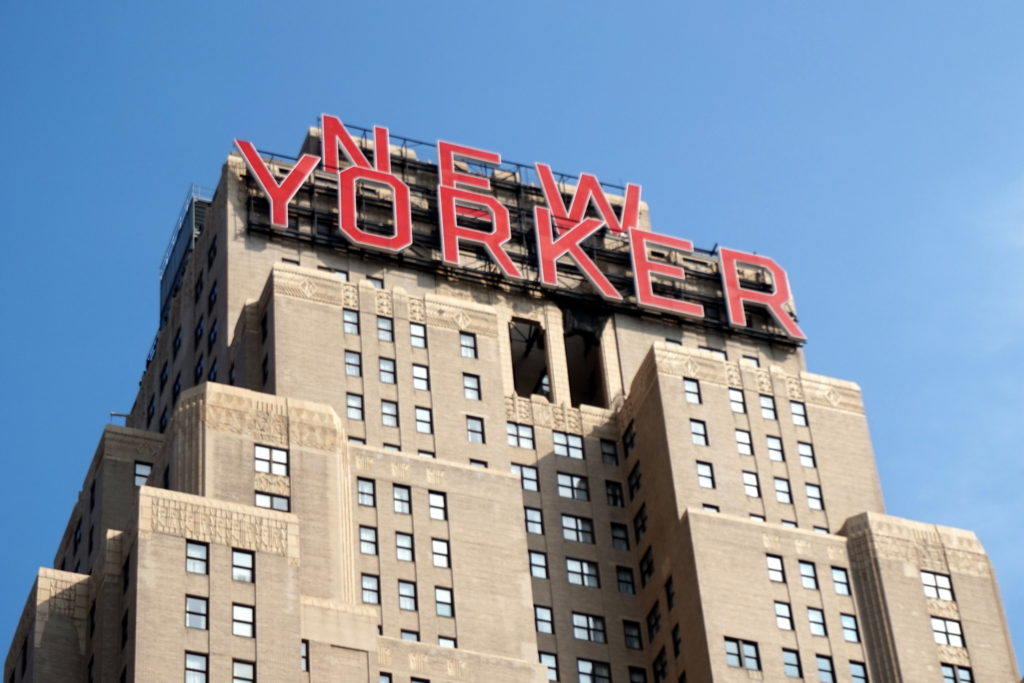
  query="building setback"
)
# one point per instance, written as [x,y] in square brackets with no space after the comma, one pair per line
[350,465]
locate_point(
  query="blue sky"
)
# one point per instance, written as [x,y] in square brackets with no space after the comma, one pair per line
[874,149]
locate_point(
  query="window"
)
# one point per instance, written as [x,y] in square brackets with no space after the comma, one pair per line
[783,616]
[413,636]
[826,671]
[744,446]
[782,492]
[840,581]
[633,480]
[402,496]
[142,472]
[418,335]
[534,521]
[196,556]
[631,631]
[527,477]
[272,501]
[593,672]
[354,406]
[353,364]
[691,389]
[467,344]
[628,440]
[718,354]
[407,596]
[677,640]
[660,668]
[613,493]
[196,611]
[736,401]
[816,621]
[243,620]
[420,377]
[440,552]
[620,536]
[195,668]
[588,627]
[768,408]
[538,565]
[424,420]
[808,575]
[750,485]
[609,452]
[392,447]
[520,436]
[670,593]
[438,505]
[368,540]
[271,460]
[775,451]
[653,622]
[475,429]
[568,445]
[386,370]
[937,586]
[573,486]
[705,475]
[577,529]
[582,573]
[350,322]
[799,412]
[404,550]
[211,298]
[550,660]
[444,602]
[442,641]
[471,386]
[947,632]
[776,572]
[543,619]
[640,523]
[242,672]
[385,329]
[814,498]
[859,673]
[698,432]
[624,579]
[806,452]
[849,625]
[304,655]
[389,413]
[742,654]
[646,566]
[791,664]
[367,492]
[243,565]
[955,674]
[708,507]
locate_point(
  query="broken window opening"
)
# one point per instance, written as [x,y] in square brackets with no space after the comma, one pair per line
[529,358]
[583,357]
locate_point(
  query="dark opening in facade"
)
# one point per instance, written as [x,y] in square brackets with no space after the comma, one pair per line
[583,357]
[529,358]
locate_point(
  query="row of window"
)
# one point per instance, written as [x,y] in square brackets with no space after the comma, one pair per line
[816,622]
[738,403]
[417,332]
[745,444]
[197,668]
[387,374]
[404,547]
[243,617]
[575,528]
[366,495]
[752,486]
[573,486]
[745,654]
[444,602]
[197,561]
[808,574]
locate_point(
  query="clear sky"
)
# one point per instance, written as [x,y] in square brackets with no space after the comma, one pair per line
[875,149]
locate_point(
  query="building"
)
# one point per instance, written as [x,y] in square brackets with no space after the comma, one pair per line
[375,441]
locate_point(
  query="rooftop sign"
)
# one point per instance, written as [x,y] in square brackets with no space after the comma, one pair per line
[559,230]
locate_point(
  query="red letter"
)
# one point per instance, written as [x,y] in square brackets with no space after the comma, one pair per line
[334,134]
[400,210]
[549,250]
[277,195]
[589,188]
[643,267]
[454,201]
[736,294]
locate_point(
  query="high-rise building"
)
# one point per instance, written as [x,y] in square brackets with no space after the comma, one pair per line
[442,418]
